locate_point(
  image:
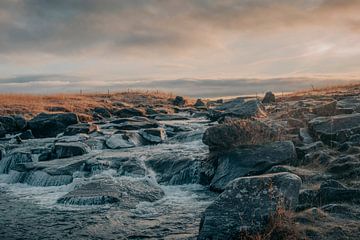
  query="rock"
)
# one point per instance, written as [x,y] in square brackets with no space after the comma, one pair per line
[57,109]
[350,102]
[126,193]
[179,101]
[269,98]
[101,111]
[308,148]
[337,128]
[199,103]
[231,104]
[121,104]
[251,160]
[246,205]
[238,132]
[50,125]
[80,128]
[124,140]
[296,123]
[66,150]
[239,108]
[26,135]
[128,112]
[2,152]
[21,122]
[2,131]
[9,124]
[327,109]
[134,123]
[154,135]
[305,136]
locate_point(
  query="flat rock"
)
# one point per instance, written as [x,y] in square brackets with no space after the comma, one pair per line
[66,150]
[128,112]
[124,140]
[80,128]
[124,192]
[154,135]
[337,128]
[246,205]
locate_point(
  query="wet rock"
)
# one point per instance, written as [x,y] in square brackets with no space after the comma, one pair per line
[26,135]
[269,98]
[337,128]
[11,160]
[43,179]
[80,128]
[179,101]
[66,150]
[153,135]
[50,125]
[250,160]
[199,103]
[102,112]
[2,152]
[129,112]
[124,140]
[2,131]
[247,203]
[9,124]
[305,136]
[327,109]
[126,193]
[134,123]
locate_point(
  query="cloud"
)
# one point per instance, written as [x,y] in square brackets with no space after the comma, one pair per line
[147,26]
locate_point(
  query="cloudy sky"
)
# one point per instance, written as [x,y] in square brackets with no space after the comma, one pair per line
[194,47]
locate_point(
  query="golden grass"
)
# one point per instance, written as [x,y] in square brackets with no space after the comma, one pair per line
[30,105]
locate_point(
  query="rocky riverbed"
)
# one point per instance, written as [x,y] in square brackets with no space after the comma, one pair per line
[214,170]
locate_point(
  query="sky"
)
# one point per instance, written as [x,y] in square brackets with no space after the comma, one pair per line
[193,47]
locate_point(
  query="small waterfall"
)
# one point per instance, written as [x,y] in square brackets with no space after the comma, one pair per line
[10,161]
[43,179]
[14,177]
[187,175]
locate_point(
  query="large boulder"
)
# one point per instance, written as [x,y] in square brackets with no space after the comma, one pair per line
[9,124]
[50,125]
[101,112]
[337,128]
[66,150]
[134,123]
[124,192]
[238,132]
[269,98]
[326,109]
[250,160]
[179,101]
[247,204]
[199,103]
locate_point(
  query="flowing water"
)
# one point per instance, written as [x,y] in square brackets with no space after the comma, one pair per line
[30,210]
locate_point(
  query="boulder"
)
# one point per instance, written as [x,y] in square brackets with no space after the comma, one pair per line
[124,140]
[135,123]
[250,160]
[269,98]
[2,131]
[126,193]
[239,108]
[327,109]
[153,135]
[80,128]
[102,112]
[199,103]
[9,124]
[66,150]
[50,125]
[247,204]
[26,135]
[350,103]
[128,112]
[337,128]
[238,132]
[57,109]
[179,101]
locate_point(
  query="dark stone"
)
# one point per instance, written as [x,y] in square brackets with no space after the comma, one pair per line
[9,124]
[303,150]
[134,124]
[248,109]
[2,131]
[26,135]
[101,111]
[50,125]
[269,98]
[199,103]
[66,150]
[128,112]
[250,160]
[179,101]
[57,109]
[80,128]
[327,109]
[125,140]
[246,205]
[337,128]
[21,122]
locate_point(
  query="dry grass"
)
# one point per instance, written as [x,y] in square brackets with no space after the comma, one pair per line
[281,226]
[30,105]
